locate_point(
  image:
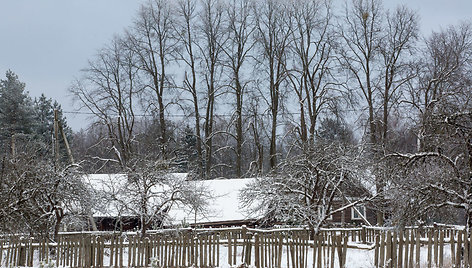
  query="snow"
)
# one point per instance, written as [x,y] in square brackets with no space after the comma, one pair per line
[107,185]
[223,206]
[223,202]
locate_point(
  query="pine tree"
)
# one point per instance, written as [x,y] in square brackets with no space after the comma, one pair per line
[44,119]
[15,109]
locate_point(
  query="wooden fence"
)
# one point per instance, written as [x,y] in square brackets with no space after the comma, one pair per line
[180,248]
[405,248]
[234,246]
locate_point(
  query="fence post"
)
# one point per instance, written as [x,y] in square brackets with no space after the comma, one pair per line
[332,248]
[400,249]
[218,250]
[466,250]
[430,234]
[244,252]
[470,246]
[256,251]
[22,253]
[382,249]
[459,249]
[377,249]
[228,237]
[338,242]
[412,248]
[436,245]
[407,247]
[235,248]
[88,251]
[363,234]
[394,250]
[388,258]
[453,251]
[315,242]
[418,239]
[441,248]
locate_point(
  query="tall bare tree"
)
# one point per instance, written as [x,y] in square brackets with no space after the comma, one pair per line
[152,40]
[239,45]
[360,32]
[376,51]
[442,81]
[397,49]
[108,90]
[311,76]
[213,37]
[188,55]
[273,35]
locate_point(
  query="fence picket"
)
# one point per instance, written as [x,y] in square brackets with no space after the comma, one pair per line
[466,250]
[376,251]
[417,253]
[453,254]
[406,249]
[400,249]
[441,248]
[382,250]
[459,249]
[430,246]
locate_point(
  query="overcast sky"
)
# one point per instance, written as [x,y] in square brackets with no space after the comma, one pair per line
[47,42]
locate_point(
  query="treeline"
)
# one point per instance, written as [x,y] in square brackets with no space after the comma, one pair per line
[36,182]
[232,88]
[319,103]
[248,88]
[26,124]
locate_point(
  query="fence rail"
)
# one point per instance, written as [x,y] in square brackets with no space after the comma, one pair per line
[299,248]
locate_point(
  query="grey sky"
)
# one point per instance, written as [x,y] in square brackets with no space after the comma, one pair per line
[47,42]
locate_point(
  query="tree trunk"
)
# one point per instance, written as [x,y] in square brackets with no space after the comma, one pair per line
[239,130]
[273,144]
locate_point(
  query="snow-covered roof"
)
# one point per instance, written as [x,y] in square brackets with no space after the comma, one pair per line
[223,199]
[223,206]
[106,186]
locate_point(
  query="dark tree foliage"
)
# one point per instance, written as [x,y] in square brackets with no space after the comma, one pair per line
[15,110]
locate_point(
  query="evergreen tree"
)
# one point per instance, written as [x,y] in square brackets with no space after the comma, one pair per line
[44,119]
[22,119]
[15,109]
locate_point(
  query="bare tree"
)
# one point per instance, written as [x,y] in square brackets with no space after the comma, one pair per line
[188,55]
[108,90]
[149,192]
[309,186]
[442,81]
[38,195]
[273,35]
[311,76]
[256,125]
[439,174]
[213,36]
[360,32]
[397,49]
[237,49]
[376,51]
[152,41]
